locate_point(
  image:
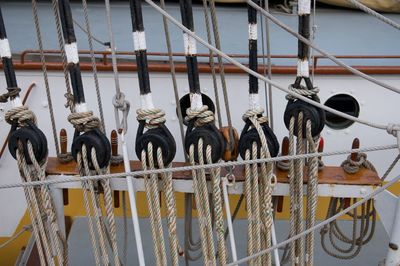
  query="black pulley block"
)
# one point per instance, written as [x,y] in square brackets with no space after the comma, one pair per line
[93,139]
[160,137]
[249,136]
[32,134]
[314,114]
[184,103]
[211,137]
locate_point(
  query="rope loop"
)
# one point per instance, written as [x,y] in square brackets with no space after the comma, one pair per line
[393,129]
[353,166]
[22,115]
[255,113]
[84,121]
[303,91]
[12,93]
[201,117]
[153,117]
[70,100]
[120,104]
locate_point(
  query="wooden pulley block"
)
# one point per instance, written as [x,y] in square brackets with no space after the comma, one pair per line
[231,151]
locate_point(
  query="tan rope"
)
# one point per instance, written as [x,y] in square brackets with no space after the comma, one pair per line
[203,205]
[218,208]
[312,194]
[153,200]
[169,196]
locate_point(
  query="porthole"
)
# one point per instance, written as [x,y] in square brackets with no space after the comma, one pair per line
[344,103]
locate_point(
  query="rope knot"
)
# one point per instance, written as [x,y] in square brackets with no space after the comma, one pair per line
[255,113]
[12,93]
[152,117]
[302,90]
[393,129]
[70,100]
[84,121]
[22,115]
[120,103]
[353,166]
[202,116]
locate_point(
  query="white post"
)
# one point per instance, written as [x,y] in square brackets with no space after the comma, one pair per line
[229,218]
[274,242]
[132,201]
[393,255]
[58,201]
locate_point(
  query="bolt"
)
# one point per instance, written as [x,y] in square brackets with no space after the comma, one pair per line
[363,191]
[393,246]
[45,104]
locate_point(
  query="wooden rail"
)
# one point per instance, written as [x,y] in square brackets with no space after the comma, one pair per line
[159,63]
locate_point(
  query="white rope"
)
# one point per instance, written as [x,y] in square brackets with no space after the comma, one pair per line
[321,224]
[69,179]
[261,77]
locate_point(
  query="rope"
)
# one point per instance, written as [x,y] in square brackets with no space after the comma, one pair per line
[64,179]
[153,205]
[93,61]
[334,231]
[203,205]
[173,77]
[169,196]
[25,228]
[28,172]
[312,193]
[83,166]
[68,95]
[261,77]
[218,208]
[152,117]
[10,94]
[84,121]
[21,115]
[201,117]
[375,14]
[212,63]
[319,225]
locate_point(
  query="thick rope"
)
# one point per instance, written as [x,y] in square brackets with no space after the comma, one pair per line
[203,206]
[153,201]
[201,117]
[84,121]
[152,117]
[83,166]
[10,94]
[169,196]
[312,194]
[21,115]
[368,211]
[218,209]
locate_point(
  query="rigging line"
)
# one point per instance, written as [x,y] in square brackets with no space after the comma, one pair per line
[61,43]
[321,224]
[217,42]
[331,57]
[375,14]
[94,67]
[259,76]
[46,79]
[313,32]
[107,44]
[212,63]
[112,46]
[68,179]
[269,62]
[173,77]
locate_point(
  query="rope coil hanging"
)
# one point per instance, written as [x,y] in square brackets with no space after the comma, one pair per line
[155,147]
[28,145]
[90,148]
